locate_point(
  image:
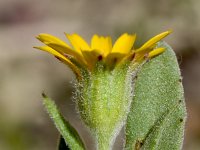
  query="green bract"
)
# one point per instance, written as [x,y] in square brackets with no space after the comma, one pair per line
[103,99]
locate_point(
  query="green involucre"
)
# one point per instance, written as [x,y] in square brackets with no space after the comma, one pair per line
[103,99]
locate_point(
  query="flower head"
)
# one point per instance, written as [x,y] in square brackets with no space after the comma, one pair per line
[84,55]
[105,73]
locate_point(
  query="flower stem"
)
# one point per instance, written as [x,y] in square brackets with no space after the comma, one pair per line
[104,142]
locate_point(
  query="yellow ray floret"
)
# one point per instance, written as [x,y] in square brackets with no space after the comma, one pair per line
[104,44]
[60,57]
[47,38]
[100,49]
[151,43]
[60,46]
[156,52]
[78,42]
[124,44]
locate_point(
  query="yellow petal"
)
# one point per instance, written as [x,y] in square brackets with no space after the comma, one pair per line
[103,44]
[92,57]
[114,58]
[52,40]
[150,43]
[124,44]
[156,52]
[77,42]
[47,38]
[61,48]
[61,57]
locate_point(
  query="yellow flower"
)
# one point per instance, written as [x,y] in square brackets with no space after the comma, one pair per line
[106,74]
[82,54]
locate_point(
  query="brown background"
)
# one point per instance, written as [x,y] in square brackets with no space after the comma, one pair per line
[26,72]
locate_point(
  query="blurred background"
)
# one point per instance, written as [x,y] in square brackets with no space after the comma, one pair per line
[26,72]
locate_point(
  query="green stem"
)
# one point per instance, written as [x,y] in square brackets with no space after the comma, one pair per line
[104,142]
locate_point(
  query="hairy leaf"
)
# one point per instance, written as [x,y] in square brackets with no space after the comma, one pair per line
[157,116]
[69,134]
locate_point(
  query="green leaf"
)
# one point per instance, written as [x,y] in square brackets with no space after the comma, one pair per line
[157,116]
[70,135]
